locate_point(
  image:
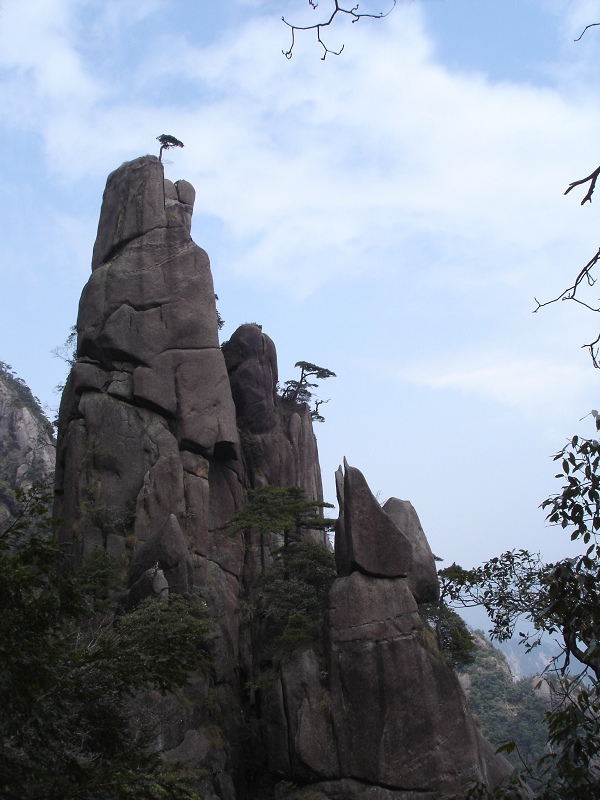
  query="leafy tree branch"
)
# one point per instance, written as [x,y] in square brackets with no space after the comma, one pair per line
[299,391]
[561,599]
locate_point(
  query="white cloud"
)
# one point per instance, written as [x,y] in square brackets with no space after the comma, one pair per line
[526,384]
[363,154]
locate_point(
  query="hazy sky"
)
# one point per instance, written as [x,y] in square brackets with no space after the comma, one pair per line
[389,214]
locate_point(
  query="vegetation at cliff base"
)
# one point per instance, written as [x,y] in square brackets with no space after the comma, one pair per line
[71,669]
[561,599]
[505,709]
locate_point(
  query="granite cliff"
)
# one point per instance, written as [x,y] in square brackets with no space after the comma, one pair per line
[162,433]
[27,447]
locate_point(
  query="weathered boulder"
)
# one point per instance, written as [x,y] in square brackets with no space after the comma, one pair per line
[147,322]
[422,578]
[133,204]
[399,715]
[365,537]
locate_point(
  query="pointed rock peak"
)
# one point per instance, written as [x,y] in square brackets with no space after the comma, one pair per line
[133,204]
[185,192]
[366,538]
[423,578]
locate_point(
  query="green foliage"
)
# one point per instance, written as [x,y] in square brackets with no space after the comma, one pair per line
[67,352]
[166,143]
[287,511]
[564,599]
[70,669]
[454,638]
[220,320]
[507,586]
[505,709]
[297,586]
[303,570]
[300,391]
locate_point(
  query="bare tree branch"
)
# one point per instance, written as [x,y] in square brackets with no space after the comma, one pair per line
[592,25]
[318,26]
[593,178]
[571,292]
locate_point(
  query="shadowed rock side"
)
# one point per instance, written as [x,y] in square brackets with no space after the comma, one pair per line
[161,434]
[382,715]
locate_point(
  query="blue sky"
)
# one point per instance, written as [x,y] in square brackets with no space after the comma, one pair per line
[389,214]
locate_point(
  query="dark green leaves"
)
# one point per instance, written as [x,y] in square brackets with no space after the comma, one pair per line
[273,509]
[69,670]
[300,391]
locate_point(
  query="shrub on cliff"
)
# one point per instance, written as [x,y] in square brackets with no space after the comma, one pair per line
[69,670]
[297,586]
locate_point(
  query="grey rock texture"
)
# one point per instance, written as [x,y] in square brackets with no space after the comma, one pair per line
[299,732]
[148,406]
[279,444]
[27,447]
[148,448]
[400,718]
[422,578]
[365,537]
[397,735]
[161,435]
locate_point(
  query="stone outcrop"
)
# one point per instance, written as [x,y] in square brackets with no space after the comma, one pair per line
[278,441]
[148,451]
[161,435]
[27,447]
[397,720]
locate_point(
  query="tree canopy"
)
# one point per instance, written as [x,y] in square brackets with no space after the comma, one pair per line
[71,669]
[299,391]
[560,599]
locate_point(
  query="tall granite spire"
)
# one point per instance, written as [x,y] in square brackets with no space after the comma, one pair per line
[161,433]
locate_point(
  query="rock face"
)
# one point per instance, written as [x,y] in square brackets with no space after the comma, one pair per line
[397,717]
[148,451]
[27,447]
[277,437]
[161,435]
